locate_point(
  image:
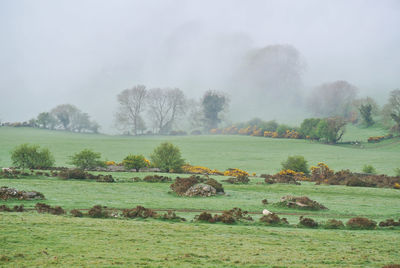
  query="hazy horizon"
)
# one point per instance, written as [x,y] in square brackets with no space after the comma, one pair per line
[86,52]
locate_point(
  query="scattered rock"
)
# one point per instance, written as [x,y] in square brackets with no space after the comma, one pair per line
[12,193]
[201,189]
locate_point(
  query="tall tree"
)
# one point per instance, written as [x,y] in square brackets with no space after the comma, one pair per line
[213,103]
[46,120]
[366,114]
[331,129]
[332,99]
[165,106]
[64,114]
[394,104]
[131,105]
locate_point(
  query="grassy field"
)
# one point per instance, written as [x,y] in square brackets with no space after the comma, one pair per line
[30,239]
[253,154]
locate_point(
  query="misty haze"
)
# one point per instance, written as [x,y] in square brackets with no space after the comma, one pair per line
[182,133]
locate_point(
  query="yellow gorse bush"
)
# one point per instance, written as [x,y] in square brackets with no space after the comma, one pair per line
[320,172]
[110,163]
[200,170]
[297,175]
[235,172]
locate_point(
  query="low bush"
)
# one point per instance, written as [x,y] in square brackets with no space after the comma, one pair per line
[139,212]
[333,224]
[307,222]
[264,201]
[171,215]
[98,211]
[218,186]
[4,208]
[369,169]
[389,222]
[44,208]
[361,223]
[181,185]
[272,219]
[167,157]
[76,213]
[157,178]
[79,174]
[135,162]
[296,163]
[227,217]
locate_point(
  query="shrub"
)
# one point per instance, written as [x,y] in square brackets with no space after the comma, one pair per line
[29,156]
[181,185]
[98,212]
[333,224]
[296,163]
[308,222]
[76,213]
[218,186]
[135,162]
[361,223]
[270,219]
[139,212]
[44,208]
[368,169]
[171,215]
[204,216]
[167,157]
[157,178]
[235,172]
[87,159]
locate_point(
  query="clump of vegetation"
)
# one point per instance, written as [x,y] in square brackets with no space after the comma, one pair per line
[157,178]
[139,212]
[284,176]
[167,157]
[98,211]
[238,180]
[369,169]
[4,208]
[78,174]
[76,213]
[31,156]
[135,162]
[228,216]
[87,159]
[264,201]
[181,185]
[361,223]
[307,222]
[296,163]
[273,219]
[235,172]
[218,186]
[200,170]
[300,202]
[44,208]
[171,215]
[389,222]
[333,224]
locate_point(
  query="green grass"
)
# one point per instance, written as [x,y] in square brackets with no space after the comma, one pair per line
[33,240]
[39,240]
[253,154]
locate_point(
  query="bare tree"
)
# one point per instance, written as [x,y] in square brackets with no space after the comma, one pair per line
[165,106]
[131,105]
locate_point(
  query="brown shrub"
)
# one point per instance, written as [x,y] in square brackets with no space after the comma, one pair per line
[333,224]
[389,222]
[307,222]
[157,178]
[218,186]
[98,211]
[204,216]
[76,213]
[79,174]
[139,212]
[361,223]
[44,208]
[171,215]
[271,219]
[392,266]
[181,185]
[264,201]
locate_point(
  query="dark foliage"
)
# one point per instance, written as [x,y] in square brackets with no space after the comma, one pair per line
[44,208]
[139,212]
[157,178]
[76,213]
[361,223]
[307,222]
